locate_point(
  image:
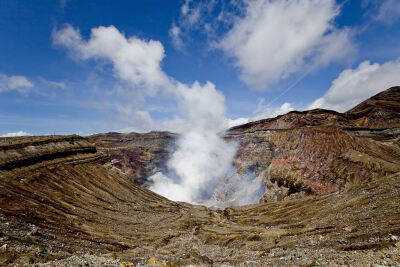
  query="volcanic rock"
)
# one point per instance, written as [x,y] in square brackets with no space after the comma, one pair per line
[321,151]
[136,155]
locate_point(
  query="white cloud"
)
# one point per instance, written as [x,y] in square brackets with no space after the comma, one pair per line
[262,112]
[19,133]
[193,15]
[353,86]
[138,62]
[135,61]
[389,11]
[16,82]
[191,12]
[236,122]
[20,84]
[185,7]
[385,11]
[54,84]
[202,106]
[275,39]
[271,112]
[175,34]
[193,103]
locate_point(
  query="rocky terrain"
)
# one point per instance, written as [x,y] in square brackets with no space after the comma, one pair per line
[311,152]
[332,196]
[321,151]
[136,155]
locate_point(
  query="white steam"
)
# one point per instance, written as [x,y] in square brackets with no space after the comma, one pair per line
[202,156]
[236,190]
[196,167]
[201,169]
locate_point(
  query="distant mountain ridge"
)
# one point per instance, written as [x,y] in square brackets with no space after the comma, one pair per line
[378,112]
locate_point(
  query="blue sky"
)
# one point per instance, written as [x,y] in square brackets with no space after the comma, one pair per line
[265,57]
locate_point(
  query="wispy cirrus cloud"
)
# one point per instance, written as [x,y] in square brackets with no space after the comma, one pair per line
[175,33]
[53,84]
[194,15]
[384,11]
[20,84]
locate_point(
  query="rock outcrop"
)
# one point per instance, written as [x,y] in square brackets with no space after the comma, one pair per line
[316,160]
[136,155]
[321,151]
[378,112]
[21,152]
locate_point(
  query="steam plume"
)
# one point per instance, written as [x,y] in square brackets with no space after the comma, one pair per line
[201,170]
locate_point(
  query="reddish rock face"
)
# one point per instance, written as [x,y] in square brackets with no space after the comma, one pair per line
[136,155]
[295,119]
[311,152]
[379,111]
[315,160]
[321,151]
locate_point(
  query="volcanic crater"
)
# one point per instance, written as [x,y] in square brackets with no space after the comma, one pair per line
[331,197]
